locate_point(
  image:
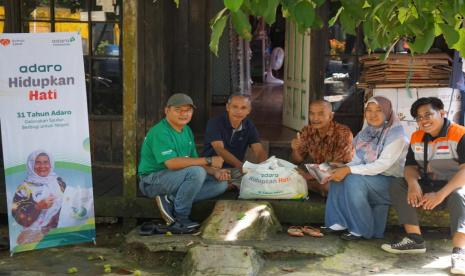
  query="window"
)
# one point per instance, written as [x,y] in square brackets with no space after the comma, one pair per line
[2,16]
[342,65]
[99,23]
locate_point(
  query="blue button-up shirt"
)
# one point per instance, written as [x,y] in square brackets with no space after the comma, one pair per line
[235,141]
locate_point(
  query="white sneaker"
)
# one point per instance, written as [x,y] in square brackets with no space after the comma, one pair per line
[458,263]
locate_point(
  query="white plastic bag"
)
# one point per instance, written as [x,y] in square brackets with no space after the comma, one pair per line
[77,207]
[272,179]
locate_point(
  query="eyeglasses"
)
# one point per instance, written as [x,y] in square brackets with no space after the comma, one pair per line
[426,116]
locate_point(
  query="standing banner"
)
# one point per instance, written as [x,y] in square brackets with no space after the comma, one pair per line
[45,139]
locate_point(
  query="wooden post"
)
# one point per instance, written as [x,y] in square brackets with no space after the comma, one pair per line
[129,103]
[12,17]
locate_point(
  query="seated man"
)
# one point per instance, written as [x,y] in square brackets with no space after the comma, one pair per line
[230,134]
[171,171]
[443,142]
[323,140]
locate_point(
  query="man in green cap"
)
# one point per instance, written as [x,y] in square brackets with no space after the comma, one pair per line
[170,168]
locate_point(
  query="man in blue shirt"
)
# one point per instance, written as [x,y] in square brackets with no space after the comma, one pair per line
[230,134]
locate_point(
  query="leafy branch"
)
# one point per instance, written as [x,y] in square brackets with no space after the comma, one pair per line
[383,21]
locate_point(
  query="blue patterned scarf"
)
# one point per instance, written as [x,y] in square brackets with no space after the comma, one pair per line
[370,141]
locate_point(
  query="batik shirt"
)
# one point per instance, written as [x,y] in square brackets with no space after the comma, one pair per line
[25,209]
[334,146]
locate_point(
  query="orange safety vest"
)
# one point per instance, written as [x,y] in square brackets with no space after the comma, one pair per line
[443,159]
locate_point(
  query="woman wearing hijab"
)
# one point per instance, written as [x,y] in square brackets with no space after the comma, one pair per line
[37,201]
[358,200]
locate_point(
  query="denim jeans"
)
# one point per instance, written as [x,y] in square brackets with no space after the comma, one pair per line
[359,203]
[186,186]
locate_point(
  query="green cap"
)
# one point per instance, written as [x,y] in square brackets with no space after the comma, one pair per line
[180,99]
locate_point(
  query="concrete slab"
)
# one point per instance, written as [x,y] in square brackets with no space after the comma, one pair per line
[280,243]
[366,258]
[233,220]
[285,255]
[221,260]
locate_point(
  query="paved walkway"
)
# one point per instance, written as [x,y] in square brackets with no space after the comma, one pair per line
[283,255]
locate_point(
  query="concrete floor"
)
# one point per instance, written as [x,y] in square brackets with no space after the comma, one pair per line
[329,255]
[87,258]
[283,255]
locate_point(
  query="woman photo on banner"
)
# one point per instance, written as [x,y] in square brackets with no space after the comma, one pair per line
[37,201]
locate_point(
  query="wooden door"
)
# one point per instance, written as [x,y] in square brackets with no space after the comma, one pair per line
[296,77]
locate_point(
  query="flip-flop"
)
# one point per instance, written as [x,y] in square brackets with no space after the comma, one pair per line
[295,231]
[311,231]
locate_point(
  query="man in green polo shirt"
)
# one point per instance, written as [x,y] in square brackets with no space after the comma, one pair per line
[170,168]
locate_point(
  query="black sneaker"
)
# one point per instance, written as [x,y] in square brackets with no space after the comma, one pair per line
[188,223]
[178,228]
[350,237]
[166,208]
[405,246]
[458,261]
[328,231]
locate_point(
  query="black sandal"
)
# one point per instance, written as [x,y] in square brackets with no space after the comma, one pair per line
[149,228]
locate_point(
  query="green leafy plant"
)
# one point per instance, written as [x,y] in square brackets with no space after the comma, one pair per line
[384,22]
[100,50]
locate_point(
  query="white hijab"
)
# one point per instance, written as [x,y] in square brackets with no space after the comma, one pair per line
[42,188]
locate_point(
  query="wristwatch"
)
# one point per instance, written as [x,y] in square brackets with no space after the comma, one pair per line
[209,160]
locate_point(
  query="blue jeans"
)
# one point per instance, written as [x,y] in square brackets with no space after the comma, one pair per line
[359,203]
[186,186]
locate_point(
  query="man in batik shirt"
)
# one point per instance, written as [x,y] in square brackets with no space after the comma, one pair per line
[323,140]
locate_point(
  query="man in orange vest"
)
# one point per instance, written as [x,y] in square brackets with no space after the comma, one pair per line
[434,175]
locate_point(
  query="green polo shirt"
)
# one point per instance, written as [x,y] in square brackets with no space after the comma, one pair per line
[163,143]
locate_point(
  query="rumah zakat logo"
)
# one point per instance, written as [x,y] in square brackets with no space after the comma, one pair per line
[5,41]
